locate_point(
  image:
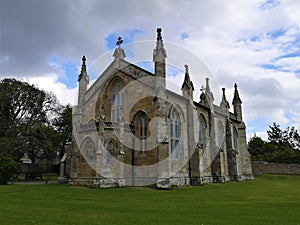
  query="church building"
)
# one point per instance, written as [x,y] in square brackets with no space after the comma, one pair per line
[130,130]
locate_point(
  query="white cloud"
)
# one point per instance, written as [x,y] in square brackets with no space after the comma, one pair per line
[234,38]
[288,63]
[50,83]
[262,134]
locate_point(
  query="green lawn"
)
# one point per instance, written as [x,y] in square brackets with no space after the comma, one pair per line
[269,199]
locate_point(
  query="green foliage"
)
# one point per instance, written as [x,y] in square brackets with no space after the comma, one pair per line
[283,146]
[269,199]
[40,143]
[8,167]
[275,134]
[63,126]
[289,136]
[256,147]
[280,153]
[27,115]
[23,106]
[6,147]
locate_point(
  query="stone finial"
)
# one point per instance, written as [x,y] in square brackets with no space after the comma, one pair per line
[187,86]
[224,100]
[207,90]
[119,52]
[237,104]
[186,68]
[83,79]
[83,69]
[223,90]
[158,30]
[119,42]
[202,89]
[236,97]
[159,53]
[187,80]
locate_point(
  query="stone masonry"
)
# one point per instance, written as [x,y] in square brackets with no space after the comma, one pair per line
[129,130]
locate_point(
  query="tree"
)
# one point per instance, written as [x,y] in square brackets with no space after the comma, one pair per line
[255,147]
[275,134]
[8,167]
[283,146]
[63,126]
[292,137]
[289,136]
[40,144]
[25,113]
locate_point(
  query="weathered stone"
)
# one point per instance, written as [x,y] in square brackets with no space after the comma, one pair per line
[262,167]
[144,134]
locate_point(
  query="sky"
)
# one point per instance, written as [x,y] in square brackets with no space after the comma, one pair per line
[255,44]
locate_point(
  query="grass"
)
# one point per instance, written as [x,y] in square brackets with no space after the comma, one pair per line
[269,199]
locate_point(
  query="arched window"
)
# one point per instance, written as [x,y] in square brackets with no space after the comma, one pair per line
[140,122]
[221,135]
[89,149]
[202,129]
[235,138]
[110,152]
[118,98]
[142,127]
[90,152]
[142,131]
[174,134]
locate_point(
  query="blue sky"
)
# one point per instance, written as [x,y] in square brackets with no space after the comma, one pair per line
[254,43]
[127,36]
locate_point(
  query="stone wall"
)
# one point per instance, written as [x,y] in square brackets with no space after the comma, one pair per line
[260,167]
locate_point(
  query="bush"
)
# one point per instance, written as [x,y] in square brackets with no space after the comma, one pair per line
[8,167]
